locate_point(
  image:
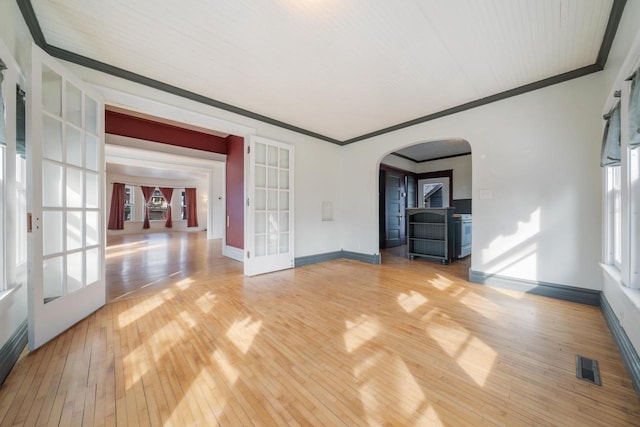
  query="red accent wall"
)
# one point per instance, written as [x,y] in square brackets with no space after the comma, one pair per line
[136,127]
[235,191]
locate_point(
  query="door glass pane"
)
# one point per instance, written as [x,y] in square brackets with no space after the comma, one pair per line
[284,159]
[284,200]
[91,115]
[273,155]
[91,148]
[51,232]
[92,190]
[272,246]
[74,230]
[74,272]
[51,139]
[273,222]
[92,233]
[273,178]
[261,177]
[284,179]
[284,222]
[51,91]
[52,278]
[74,146]
[74,188]
[73,103]
[51,185]
[284,243]
[261,245]
[261,223]
[261,202]
[261,154]
[272,200]
[93,265]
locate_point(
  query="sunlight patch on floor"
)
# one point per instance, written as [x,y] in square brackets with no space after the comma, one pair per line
[227,369]
[206,302]
[411,301]
[481,305]
[450,337]
[135,367]
[242,333]
[360,331]
[477,360]
[442,283]
[185,283]
[132,251]
[139,310]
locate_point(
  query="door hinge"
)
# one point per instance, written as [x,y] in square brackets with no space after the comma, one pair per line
[248,254]
[249,150]
[247,201]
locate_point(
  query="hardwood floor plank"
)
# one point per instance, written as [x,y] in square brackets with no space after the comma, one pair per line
[188,340]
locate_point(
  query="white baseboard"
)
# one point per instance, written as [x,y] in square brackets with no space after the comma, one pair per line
[233,253]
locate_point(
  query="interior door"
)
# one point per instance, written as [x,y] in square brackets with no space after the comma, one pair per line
[394,209]
[269,218]
[65,159]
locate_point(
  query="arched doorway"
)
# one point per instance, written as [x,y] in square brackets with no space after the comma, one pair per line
[428,175]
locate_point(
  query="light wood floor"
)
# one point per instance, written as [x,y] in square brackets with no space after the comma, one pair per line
[335,343]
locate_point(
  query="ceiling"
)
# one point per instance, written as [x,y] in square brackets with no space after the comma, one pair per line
[336,69]
[154,172]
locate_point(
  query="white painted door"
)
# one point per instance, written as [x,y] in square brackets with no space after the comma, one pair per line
[65,157]
[269,218]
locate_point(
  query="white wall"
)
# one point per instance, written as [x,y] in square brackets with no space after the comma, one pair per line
[461,167]
[538,154]
[135,226]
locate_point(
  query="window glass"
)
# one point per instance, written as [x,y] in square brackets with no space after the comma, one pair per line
[157,207]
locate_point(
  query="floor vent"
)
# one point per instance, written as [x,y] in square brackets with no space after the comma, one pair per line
[587,370]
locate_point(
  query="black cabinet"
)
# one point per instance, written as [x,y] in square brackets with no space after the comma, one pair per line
[431,233]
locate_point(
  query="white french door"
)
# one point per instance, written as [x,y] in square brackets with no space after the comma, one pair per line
[65,157]
[269,218]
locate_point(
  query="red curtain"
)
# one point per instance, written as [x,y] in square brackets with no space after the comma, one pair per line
[167,193]
[147,192]
[116,216]
[192,207]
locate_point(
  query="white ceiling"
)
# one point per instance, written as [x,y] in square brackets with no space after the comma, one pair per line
[342,68]
[154,172]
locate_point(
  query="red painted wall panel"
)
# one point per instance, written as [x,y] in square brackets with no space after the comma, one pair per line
[135,127]
[235,191]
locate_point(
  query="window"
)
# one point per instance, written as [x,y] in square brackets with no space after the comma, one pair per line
[157,207]
[129,203]
[3,177]
[614,216]
[183,205]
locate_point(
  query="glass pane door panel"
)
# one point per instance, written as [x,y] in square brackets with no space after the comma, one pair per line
[284,222]
[261,154]
[284,180]
[273,178]
[51,138]
[53,270]
[261,201]
[93,265]
[51,185]
[284,200]
[261,245]
[75,182]
[284,243]
[284,159]
[91,148]
[261,223]
[272,247]
[92,190]
[261,177]
[273,222]
[73,103]
[52,232]
[74,230]
[273,156]
[75,266]
[74,146]
[272,200]
[92,230]
[51,91]
[91,115]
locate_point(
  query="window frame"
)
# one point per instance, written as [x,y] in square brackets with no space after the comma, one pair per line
[183,205]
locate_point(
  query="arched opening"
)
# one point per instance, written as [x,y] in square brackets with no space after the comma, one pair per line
[425,203]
